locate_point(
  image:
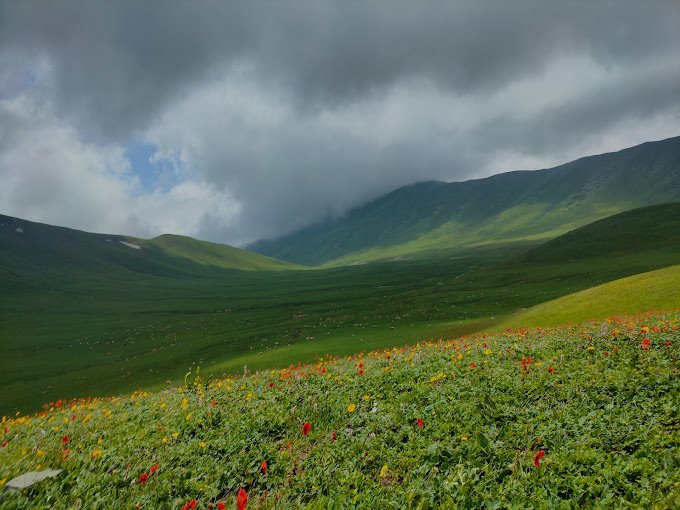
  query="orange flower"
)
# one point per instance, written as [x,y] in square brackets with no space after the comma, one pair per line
[263,466]
[242,499]
[645,343]
[421,423]
[143,478]
[153,469]
[190,505]
[537,458]
[221,506]
[306,427]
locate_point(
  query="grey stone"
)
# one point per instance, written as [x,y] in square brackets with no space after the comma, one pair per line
[28,479]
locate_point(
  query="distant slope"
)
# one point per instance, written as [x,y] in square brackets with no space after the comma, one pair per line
[523,206]
[30,248]
[655,290]
[653,228]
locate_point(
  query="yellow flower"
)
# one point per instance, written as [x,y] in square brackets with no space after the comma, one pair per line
[464,437]
[165,439]
[97,453]
[188,417]
[383,471]
[175,435]
[367,398]
[460,355]
[99,441]
[591,348]
[351,408]
[184,403]
[40,453]
[202,444]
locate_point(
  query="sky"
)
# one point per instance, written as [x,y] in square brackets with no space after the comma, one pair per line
[236,121]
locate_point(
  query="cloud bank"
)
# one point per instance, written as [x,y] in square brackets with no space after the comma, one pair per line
[264,117]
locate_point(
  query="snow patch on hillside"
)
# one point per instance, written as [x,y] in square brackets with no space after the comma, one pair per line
[131,245]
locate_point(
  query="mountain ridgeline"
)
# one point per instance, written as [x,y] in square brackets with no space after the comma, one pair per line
[432,218]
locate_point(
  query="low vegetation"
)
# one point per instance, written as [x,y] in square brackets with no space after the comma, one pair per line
[566,417]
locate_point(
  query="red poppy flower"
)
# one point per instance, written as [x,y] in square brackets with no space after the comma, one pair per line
[537,458]
[242,499]
[645,343]
[153,469]
[143,478]
[421,423]
[667,343]
[333,437]
[221,506]
[551,369]
[306,427]
[190,505]
[213,403]
[361,371]
[264,467]
[271,384]
[64,439]
[4,443]
[606,354]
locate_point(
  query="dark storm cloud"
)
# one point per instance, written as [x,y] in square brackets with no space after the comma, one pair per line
[117,63]
[266,102]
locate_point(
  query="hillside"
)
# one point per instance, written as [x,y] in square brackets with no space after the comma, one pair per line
[654,290]
[514,207]
[568,417]
[81,313]
[30,247]
[654,228]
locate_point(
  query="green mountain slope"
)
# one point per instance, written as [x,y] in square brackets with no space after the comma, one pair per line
[27,247]
[514,207]
[653,228]
[655,290]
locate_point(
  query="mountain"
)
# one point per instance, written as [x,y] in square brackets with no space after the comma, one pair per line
[515,207]
[27,247]
[649,229]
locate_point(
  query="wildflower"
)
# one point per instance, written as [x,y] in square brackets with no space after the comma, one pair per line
[551,369]
[383,471]
[473,366]
[153,469]
[421,423]
[306,427]
[263,467]
[537,458]
[334,437]
[667,343]
[242,499]
[351,408]
[190,505]
[606,354]
[143,478]
[271,384]
[221,506]
[4,443]
[213,403]
[64,439]
[97,453]
[645,343]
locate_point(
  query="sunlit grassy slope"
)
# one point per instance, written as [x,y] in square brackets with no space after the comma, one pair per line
[648,291]
[436,217]
[568,417]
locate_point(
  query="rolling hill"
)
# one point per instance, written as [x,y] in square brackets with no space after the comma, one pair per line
[654,290]
[515,207]
[30,247]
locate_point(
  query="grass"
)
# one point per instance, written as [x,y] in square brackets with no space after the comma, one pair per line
[648,291]
[447,424]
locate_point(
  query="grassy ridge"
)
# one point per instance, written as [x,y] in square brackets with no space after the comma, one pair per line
[648,291]
[448,424]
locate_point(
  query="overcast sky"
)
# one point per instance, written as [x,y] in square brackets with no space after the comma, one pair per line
[233,121]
